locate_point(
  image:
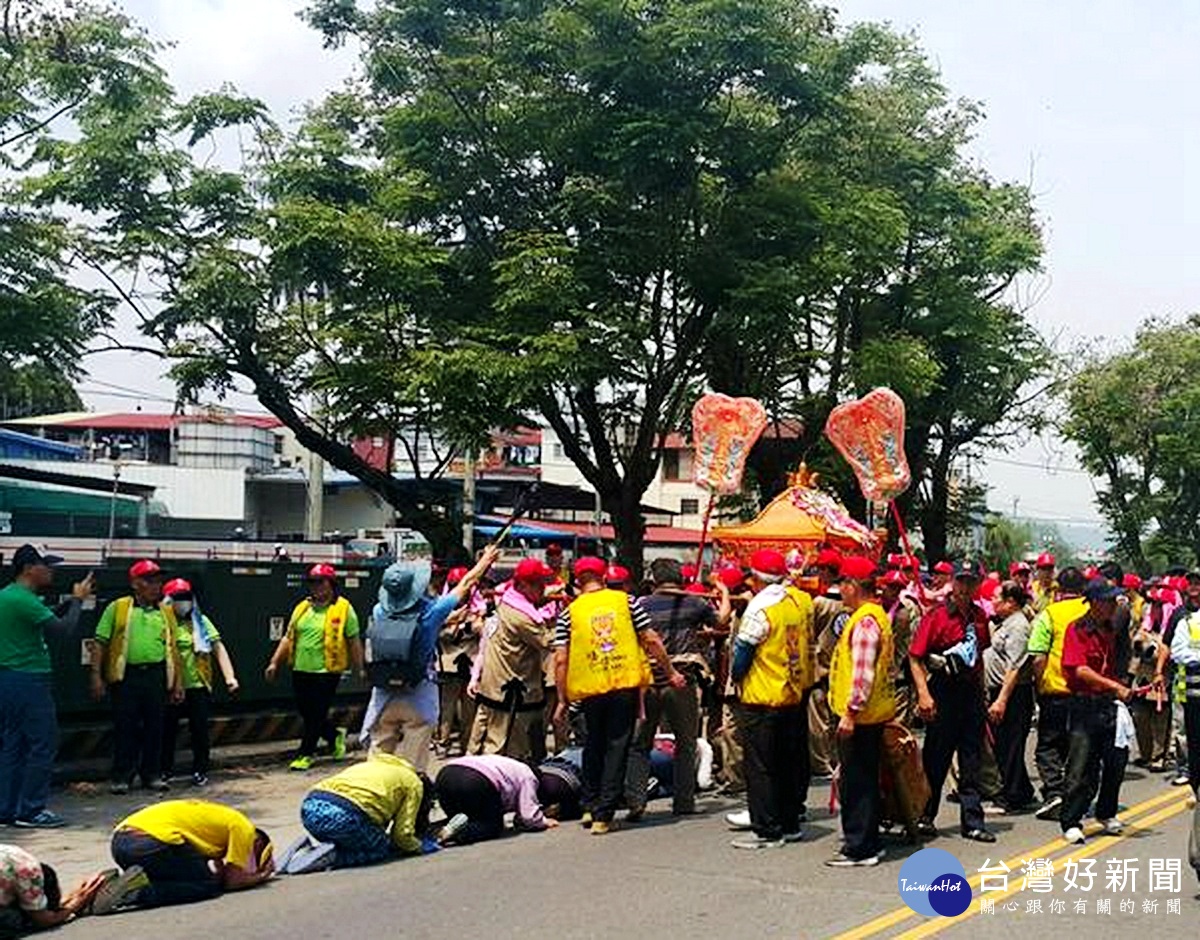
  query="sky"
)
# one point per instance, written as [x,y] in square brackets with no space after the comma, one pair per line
[1083,99]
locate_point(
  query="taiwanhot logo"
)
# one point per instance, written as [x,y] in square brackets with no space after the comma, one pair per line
[932,882]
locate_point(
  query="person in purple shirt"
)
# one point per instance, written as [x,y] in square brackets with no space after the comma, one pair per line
[476,792]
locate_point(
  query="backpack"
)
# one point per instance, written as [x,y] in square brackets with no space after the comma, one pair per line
[395,655]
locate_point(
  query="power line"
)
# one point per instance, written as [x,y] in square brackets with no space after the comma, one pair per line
[1045,468]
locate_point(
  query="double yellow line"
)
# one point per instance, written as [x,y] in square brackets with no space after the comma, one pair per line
[1148,813]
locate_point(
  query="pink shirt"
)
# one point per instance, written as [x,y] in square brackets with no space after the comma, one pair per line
[515,781]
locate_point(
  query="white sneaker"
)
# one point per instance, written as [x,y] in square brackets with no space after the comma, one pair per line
[793,837]
[1112,827]
[1074,835]
[739,822]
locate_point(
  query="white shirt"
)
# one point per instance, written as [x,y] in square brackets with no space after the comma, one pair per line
[755,627]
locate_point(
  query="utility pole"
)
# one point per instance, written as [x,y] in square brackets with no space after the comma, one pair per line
[468,504]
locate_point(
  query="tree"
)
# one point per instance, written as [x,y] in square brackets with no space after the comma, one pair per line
[607,172]
[908,254]
[1005,541]
[1134,414]
[64,62]
[35,389]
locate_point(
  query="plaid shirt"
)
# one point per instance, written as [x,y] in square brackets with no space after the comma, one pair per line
[864,649]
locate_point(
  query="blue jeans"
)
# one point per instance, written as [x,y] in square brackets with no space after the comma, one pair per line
[331,818]
[28,742]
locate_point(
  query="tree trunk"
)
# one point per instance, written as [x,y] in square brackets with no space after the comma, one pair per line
[629,528]
[935,514]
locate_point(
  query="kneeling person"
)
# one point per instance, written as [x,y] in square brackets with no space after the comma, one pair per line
[182,851]
[367,813]
[476,792]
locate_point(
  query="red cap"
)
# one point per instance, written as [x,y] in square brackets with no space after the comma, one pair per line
[1178,583]
[856,568]
[894,577]
[1018,567]
[1131,582]
[988,588]
[177,586]
[695,588]
[616,574]
[1045,560]
[829,558]
[533,569]
[689,572]
[318,572]
[590,565]
[454,575]
[731,576]
[768,562]
[1091,573]
[144,569]
[943,567]
[553,549]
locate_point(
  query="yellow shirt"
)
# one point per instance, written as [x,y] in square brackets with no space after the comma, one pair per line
[388,790]
[214,830]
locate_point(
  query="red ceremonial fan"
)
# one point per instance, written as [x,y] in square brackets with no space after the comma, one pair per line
[869,433]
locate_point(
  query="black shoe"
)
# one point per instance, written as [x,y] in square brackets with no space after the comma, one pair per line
[926,829]
[953,797]
[979,835]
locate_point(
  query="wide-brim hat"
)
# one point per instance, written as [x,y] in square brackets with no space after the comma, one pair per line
[405,583]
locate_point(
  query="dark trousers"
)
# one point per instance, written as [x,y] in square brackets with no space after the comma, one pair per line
[195,707]
[178,874]
[314,697]
[1191,726]
[957,728]
[139,705]
[28,743]
[609,719]
[1053,743]
[678,710]
[1009,747]
[465,790]
[773,741]
[1093,761]
[858,790]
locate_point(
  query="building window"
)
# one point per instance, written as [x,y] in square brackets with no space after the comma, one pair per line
[689,507]
[671,465]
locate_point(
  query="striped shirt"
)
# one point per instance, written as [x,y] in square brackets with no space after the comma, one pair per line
[864,651]
[562,626]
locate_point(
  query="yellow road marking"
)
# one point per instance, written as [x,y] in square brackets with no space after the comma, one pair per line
[937,925]
[903,913]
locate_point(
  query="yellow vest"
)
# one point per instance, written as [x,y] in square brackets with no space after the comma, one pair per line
[1062,614]
[337,657]
[116,654]
[604,653]
[881,703]
[782,669]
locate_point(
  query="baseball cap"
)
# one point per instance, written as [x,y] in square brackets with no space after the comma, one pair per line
[829,558]
[144,569]
[1018,567]
[895,576]
[965,571]
[1131,582]
[533,569]
[177,586]
[455,574]
[319,572]
[27,556]
[590,565]
[856,568]
[616,574]
[1045,560]
[943,567]
[769,562]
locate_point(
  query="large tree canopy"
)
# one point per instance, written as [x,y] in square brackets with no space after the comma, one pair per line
[60,64]
[1135,417]
[582,212]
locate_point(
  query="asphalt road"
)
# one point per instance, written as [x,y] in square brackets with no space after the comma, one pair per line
[661,878]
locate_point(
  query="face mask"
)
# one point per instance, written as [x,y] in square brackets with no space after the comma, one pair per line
[183,608]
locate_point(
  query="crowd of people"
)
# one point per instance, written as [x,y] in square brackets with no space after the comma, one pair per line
[549,694]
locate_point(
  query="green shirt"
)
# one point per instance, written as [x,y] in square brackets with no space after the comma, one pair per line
[1041,635]
[22,618]
[310,638]
[146,627]
[187,653]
